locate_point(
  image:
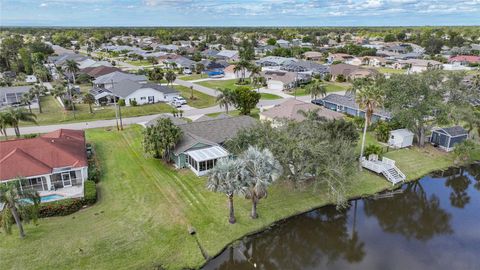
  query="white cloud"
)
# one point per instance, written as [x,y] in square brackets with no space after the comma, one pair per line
[43,5]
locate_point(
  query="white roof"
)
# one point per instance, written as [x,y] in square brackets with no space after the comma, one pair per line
[401,132]
[209,153]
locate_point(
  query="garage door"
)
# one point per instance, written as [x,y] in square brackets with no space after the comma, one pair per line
[275,85]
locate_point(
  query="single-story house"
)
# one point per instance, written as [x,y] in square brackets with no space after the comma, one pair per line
[291,109]
[421,65]
[350,71]
[374,61]
[274,61]
[202,142]
[112,79]
[283,43]
[95,72]
[356,61]
[228,55]
[280,80]
[53,164]
[12,95]
[346,104]
[306,66]
[142,93]
[464,60]
[339,57]
[231,73]
[208,53]
[313,56]
[210,65]
[400,138]
[180,62]
[447,138]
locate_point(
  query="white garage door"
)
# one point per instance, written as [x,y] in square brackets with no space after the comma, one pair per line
[275,85]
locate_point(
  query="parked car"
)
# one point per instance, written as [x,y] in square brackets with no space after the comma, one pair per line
[187,71]
[180,99]
[176,104]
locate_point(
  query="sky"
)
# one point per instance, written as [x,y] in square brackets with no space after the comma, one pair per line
[238,12]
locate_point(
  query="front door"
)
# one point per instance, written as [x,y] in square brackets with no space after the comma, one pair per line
[67,181]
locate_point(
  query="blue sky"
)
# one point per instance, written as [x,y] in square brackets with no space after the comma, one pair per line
[238,13]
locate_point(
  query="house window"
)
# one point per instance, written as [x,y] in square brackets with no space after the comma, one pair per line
[143,98]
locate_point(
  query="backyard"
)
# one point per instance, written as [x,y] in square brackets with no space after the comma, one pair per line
[193,77]
[200,100]
[53,113]
[216,84]
[146,207]
[331,87]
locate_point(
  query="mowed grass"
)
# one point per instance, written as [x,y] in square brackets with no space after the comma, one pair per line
[269,96]
[53,113]
[201,100]
[146,207]
[193,77]
[139,63]
[218,84]
[391,70]
[330,86]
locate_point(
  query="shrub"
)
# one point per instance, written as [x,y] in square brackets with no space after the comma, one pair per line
[60,208]
[121,102]
[93,170]
[133,102]
[341,78]
[382,131]
[30,136]
[90,192]
[373,149]
[464,152]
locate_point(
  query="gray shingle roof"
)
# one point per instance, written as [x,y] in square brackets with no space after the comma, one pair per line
[119,76]
[455,131]
[349,101]
[162,88]
[215,131]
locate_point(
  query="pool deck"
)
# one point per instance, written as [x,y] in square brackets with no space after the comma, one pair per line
[67,192]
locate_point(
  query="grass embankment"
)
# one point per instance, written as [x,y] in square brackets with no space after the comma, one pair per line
[219,84]
[200,100]
[269,96]
[145,208]
[53,113]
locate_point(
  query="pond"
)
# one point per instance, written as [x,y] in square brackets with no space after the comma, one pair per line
[432,223]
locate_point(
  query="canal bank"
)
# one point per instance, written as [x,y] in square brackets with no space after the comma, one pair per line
[439,208]
[415,162]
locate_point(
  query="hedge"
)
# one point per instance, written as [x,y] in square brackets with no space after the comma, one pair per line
[69,206]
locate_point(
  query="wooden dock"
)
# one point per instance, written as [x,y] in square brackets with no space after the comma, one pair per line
[384,166]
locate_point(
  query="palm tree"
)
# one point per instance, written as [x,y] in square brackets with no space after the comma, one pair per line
[26,99]
[170,77]
[199,69]
[13,199]
[36,91]
[58,91]
[72,68]
[16,115]
[89,99]
[260,169]
[316,89]
[258,81]
[369,97]
[225,177]
[4,122]
[255,71]
[225,98]
[242,66]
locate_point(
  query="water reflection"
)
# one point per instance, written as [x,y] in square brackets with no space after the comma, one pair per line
[411,214]
[415,227]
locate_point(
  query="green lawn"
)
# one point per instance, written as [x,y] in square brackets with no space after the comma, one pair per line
[193,77]
[215,84]
[138,62]
[331,87]
[269,96]
[53,113]
[200,100]
[145,208]
[391,70]
[254,113]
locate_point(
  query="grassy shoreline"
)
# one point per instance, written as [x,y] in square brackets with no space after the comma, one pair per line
[145,208]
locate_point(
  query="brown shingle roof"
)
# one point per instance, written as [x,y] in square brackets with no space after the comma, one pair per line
[37,156]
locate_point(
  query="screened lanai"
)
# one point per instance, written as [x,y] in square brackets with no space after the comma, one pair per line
[202,160]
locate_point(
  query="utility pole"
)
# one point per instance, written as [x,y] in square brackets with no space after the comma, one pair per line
[71,95]
[115,103]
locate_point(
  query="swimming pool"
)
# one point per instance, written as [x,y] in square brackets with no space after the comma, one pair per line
[48,198]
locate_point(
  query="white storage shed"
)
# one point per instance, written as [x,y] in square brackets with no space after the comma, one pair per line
[400,138]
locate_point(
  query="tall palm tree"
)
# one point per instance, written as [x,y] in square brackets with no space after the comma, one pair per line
[38,90]
[316,89]
[89,99]
[226,177]
[13,199]
[72,68]
[242,66]
[17,115]
[58,91]
[225,98]
[258,81]
[255,71]
[4,122]
[260,169]
[369,97]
